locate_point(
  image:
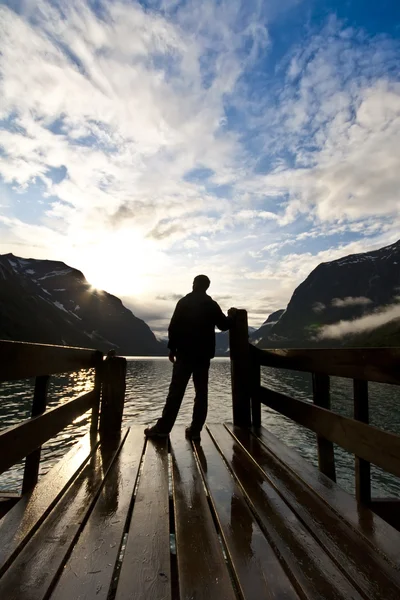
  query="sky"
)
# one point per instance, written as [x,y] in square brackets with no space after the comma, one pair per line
[147,142]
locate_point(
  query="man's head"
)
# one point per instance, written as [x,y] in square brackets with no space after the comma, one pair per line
[201,283]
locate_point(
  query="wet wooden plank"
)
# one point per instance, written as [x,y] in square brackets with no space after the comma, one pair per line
[24,518]
[313,573]
[20,360]
[145,570]
[89,570]
[362,564]
[377,532]
[18,441]
[366,441]
[202,571]
[258,572]
[371,364]
[36,569]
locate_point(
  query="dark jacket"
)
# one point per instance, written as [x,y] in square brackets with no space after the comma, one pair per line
[192,328]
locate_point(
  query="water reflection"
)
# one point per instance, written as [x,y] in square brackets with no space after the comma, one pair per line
[147,386]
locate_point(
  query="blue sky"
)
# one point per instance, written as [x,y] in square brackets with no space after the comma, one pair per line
[144,143]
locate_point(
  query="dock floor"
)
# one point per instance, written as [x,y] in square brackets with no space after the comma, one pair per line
[236,516]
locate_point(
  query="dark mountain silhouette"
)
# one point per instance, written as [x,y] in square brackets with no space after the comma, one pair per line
[222,341]
[266,327]
[49,302]
[342,290]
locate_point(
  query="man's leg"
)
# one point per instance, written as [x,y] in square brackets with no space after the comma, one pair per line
[200,380]
[181,373]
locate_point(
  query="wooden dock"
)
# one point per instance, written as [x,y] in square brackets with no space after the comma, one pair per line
[238,515]
[234,516]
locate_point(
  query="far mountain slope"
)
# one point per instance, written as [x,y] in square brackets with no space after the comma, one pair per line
[49,302]
[346,290]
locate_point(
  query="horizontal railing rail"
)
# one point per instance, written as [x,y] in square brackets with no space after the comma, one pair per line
[368,364]
[20,440]
[20,360]
[368,442]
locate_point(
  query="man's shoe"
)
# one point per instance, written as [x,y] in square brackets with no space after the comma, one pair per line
[192,435]
[155,432]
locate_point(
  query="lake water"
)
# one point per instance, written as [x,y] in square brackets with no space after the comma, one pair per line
[147,386]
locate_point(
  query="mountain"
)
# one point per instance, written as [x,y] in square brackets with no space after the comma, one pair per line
[49,302]
[222,342]
[344,290]
[263,331]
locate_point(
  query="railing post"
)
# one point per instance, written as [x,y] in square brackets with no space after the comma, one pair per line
[362,467]
[113,396]
[240,369]
[321,397]
[32,461]
[255,382]
[98,375]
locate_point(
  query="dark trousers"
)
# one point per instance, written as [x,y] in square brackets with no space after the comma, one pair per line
[183,368]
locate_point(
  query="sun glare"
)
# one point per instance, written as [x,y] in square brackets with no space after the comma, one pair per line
[123,264]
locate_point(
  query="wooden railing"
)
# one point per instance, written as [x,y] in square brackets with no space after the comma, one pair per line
[20,360]
[369,444]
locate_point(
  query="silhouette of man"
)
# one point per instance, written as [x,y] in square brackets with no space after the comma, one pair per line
[191,347]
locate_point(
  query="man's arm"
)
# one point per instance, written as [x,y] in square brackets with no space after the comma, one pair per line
[174,329]
[222,322]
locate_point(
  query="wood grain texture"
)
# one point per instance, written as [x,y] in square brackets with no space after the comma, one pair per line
[311,571]
[203,573]
[371,364]
[23,519]
[89,570]
[19,360]
[368,571]
[366,441]
[20,440]
[38,566]
[145,571]
[382,537]
[259,574]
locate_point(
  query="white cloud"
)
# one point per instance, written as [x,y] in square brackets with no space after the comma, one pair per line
[366,323]
[126,101]
[131,103]
[338,116]
[351,301]
[319,307]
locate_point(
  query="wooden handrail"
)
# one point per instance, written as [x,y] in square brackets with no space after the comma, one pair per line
[20,360]
[20,440]
[366,441]
[369,444]
[368,364]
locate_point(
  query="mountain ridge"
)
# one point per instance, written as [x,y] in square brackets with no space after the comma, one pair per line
[47,301]
[340,293]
